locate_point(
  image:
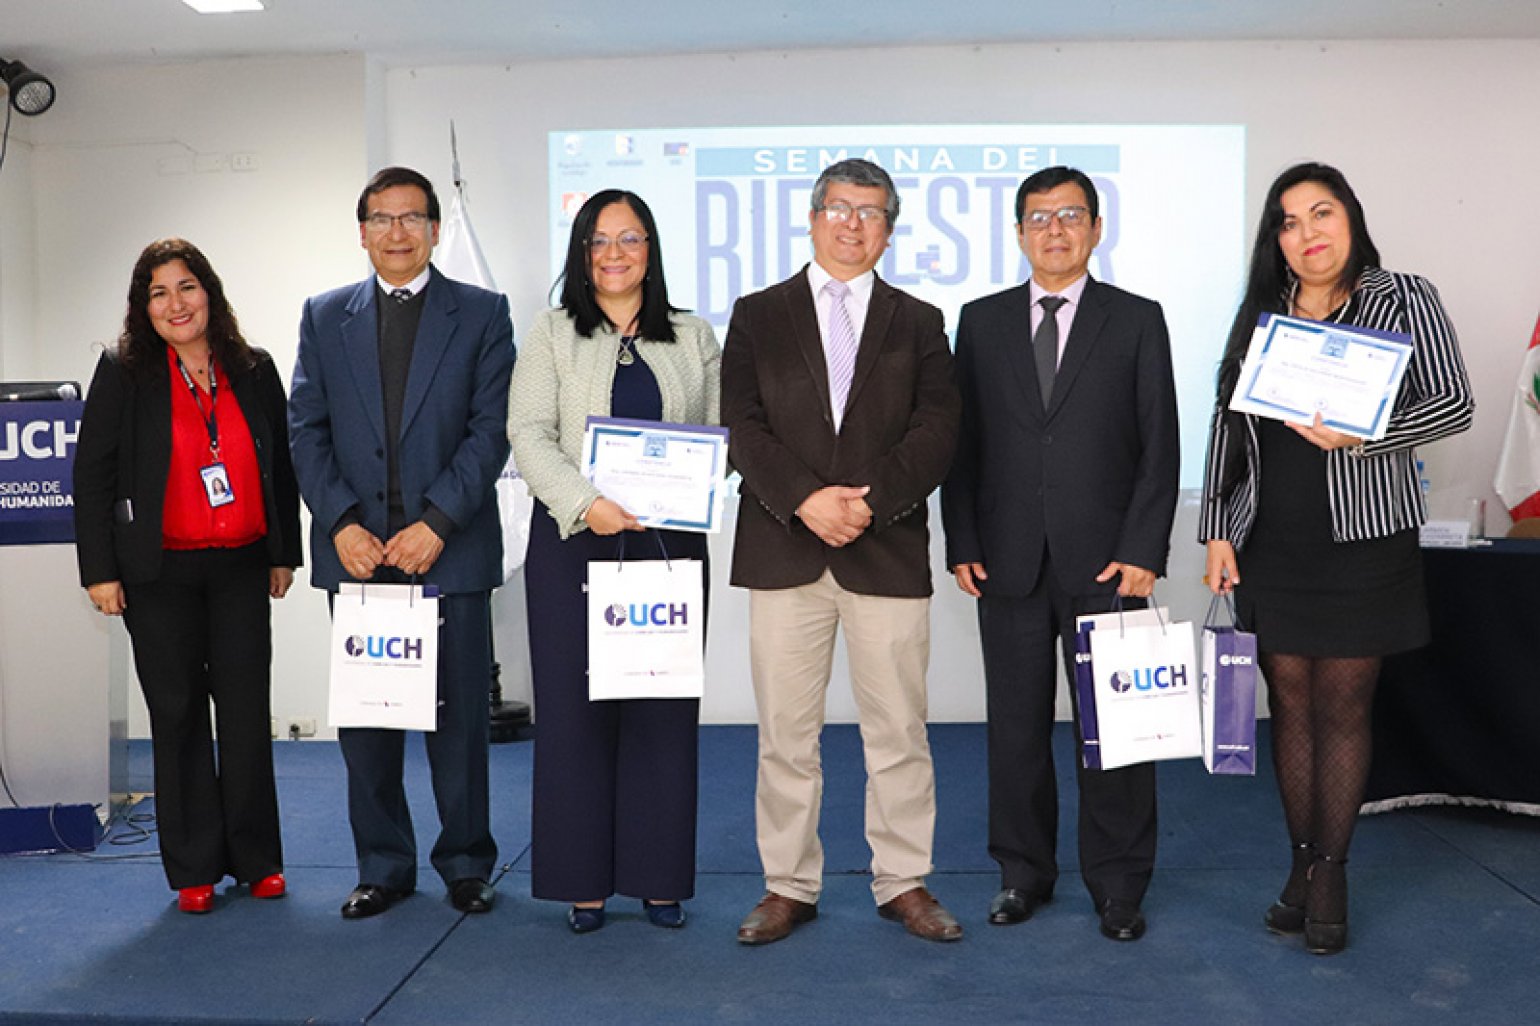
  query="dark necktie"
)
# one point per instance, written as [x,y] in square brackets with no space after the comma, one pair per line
[1045,345]
[400,295]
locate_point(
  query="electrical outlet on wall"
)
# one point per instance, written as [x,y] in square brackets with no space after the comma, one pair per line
[296,727]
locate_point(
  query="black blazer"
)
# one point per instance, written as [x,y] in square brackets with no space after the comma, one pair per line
[123,456]
[1094,477]
[897,435]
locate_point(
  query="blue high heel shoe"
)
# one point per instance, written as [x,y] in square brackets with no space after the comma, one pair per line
[667,914]
[585,920]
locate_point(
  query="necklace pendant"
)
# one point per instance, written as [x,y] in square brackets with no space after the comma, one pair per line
[624,357]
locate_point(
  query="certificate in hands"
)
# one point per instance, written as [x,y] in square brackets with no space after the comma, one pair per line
[1297,368]
[665,475]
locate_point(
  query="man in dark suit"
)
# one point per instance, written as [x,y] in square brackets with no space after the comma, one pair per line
[1061,497]
[397,423]
[839,393]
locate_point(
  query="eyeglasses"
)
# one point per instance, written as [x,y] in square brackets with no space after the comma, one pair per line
[629,242]
[840,212]
[1068,217]
[380,221]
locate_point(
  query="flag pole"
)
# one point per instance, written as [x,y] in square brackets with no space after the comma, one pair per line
[507,717]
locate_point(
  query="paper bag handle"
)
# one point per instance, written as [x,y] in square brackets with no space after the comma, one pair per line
[620,550]
[1229,603]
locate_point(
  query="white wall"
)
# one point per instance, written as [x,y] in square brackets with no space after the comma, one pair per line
[17,241]
[1439,139]
[114,168]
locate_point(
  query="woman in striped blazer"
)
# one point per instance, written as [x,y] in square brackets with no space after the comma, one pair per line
[1327,536]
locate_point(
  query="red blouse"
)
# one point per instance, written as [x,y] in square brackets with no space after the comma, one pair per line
[188,521]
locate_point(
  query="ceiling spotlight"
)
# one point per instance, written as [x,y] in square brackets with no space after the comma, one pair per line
[223,6]
[31,93]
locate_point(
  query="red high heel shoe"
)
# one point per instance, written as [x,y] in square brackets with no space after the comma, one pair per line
[270,887]
[196,899]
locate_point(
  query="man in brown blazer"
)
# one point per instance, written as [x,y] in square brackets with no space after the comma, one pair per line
[839,392]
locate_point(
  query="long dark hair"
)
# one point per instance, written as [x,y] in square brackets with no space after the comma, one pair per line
[139,346]
[1270,279]
[1270,276]
[577,287]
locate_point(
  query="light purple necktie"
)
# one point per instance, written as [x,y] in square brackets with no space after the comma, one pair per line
[840,353]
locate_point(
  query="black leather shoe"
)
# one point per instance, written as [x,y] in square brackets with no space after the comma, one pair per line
[1325,938]
[1013,905]
[1282,918]
[472,895]
[1122,920]
[370,900]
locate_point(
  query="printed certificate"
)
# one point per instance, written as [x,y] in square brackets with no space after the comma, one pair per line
[665,475]
[1297,368]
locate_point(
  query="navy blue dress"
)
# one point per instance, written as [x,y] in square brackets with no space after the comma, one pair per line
[615,782]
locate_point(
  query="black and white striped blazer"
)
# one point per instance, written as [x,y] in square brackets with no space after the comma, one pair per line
[1372,489]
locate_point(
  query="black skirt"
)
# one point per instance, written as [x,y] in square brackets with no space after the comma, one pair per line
[1304,593]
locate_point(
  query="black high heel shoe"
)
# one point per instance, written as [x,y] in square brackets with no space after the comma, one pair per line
[1322,938]
[1284,917]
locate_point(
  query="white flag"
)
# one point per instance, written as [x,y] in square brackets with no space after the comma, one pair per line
[1518,469]
[458,253]
[459,256]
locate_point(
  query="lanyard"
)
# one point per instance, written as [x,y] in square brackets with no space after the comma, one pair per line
[208,418]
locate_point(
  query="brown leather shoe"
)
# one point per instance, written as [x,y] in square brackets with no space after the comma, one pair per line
[774,918]
[922,915]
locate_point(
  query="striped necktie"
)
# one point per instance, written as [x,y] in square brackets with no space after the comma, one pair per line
[840,350]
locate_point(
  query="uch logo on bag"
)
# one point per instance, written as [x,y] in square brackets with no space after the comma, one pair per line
[643,614]
[1149,678]
[373,646]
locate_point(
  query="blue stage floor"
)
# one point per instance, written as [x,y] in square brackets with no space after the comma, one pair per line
[1444,929]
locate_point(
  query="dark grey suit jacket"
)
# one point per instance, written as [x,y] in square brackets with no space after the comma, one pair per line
[1094,477]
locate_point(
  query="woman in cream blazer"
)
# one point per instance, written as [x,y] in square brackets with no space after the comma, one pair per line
[615,781]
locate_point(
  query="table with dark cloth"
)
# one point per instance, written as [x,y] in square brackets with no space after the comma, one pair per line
[1459,720]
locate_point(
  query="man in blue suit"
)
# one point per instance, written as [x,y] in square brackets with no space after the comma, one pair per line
[397,414]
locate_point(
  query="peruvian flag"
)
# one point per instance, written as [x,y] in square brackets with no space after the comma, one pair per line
[1518,469]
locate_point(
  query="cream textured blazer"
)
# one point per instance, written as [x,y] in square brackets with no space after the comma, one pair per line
[561,378]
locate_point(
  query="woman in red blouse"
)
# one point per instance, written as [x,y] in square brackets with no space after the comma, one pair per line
[186,524]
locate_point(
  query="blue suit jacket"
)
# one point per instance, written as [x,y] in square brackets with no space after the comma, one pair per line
[453,440]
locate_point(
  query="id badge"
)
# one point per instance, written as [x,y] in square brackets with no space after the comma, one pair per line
[216,484]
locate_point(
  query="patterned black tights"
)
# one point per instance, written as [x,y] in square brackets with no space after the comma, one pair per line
[1321,746]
